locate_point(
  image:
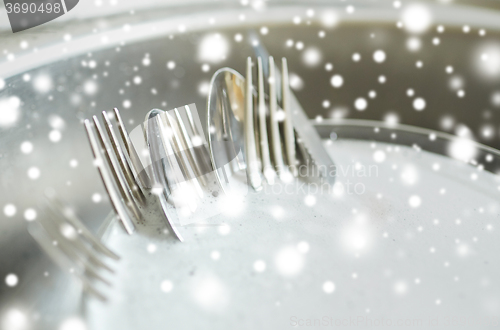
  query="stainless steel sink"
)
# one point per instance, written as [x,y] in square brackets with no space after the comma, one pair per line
[151,59]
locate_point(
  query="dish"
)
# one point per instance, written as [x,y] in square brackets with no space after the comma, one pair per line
[415,227]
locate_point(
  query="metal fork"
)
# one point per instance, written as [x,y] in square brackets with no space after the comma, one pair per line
[126,193]
[72,246]
[64,237]
[252,134]
[294,122]
[307,138]
[173,163]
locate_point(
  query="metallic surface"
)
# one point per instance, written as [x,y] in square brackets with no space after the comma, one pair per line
[54,296]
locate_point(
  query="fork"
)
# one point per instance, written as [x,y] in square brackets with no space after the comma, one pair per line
[250,132]
[133,191]
[295,131]
[126,193]
[64,238]
[177,171]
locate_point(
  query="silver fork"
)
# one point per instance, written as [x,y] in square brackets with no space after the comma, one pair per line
[64,238]
[253,162]
[120,173]
[174,163]
[294,122]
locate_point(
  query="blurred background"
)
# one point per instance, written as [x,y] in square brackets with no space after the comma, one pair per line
[432,64]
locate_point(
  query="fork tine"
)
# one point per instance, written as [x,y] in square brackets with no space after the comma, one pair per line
[155,136]
[133,157]
[115,170]
[202,155]
[113,193]
[124,165]
[185,177]
[56,255]
[275,133]
[155,144]
[239,164]
[173,171]
[188,147]
[267,167]
[288,126]
[250,147]
[74,248]
[92,272]
[91,289]
[222,106]
[56,205]
[58,221]
[182,150]
[72,244]
[89,263]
